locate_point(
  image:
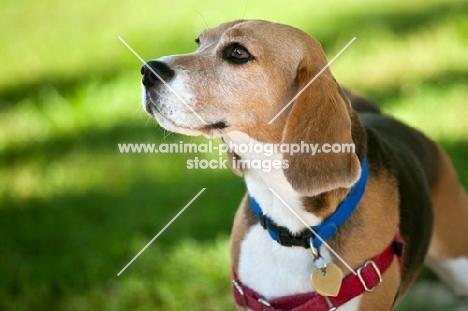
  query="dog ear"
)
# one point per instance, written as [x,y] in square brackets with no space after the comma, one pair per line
[320,115]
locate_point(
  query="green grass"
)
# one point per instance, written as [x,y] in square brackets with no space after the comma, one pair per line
[74,211]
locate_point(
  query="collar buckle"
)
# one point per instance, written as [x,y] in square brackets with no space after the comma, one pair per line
[361,278]
[287,239]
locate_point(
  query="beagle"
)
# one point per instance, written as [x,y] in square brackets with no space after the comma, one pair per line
[346,230]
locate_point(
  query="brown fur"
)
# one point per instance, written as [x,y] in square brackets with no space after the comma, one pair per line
[246,97]
[449,237]
[326,171]
[241,222]
[448,197]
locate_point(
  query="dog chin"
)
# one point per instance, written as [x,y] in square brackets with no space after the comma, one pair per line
[189,131]
[208,131]
[170,126]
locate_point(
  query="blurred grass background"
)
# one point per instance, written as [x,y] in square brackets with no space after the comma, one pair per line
[74,211]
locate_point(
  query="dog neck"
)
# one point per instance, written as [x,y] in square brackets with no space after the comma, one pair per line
[259,255]
[270,187]
[262,263]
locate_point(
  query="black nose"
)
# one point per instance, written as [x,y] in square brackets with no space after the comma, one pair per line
[161,69]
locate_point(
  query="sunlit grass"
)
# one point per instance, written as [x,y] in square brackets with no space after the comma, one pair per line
[440,112]
[80,169]
[396,60]
[57,39]
[50,114]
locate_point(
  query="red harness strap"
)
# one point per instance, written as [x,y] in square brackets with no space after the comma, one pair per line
[366,279]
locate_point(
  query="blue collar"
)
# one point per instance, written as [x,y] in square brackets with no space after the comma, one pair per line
[326,229]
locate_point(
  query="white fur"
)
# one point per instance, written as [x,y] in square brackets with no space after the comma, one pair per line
[172,107]
[264,265]
[274,270]
[259,184]
[452,271]
[351,305]
[175,112]
[267,267]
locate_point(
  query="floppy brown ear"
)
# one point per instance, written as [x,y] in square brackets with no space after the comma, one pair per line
[320,115]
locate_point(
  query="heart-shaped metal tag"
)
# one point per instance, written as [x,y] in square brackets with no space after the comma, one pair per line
[327,281]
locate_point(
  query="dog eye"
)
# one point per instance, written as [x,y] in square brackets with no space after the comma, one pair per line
[237,54]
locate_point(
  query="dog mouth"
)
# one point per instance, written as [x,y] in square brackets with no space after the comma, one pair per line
[149,107]
[220,125]
[210,129]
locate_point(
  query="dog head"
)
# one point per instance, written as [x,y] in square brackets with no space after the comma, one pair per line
[241,78]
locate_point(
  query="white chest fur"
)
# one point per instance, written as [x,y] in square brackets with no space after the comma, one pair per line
[271,269]
[265,266]
[260,185]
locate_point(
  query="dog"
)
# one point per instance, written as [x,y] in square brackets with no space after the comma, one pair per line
[346,230]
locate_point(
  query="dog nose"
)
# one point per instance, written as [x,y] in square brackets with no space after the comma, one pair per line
[161,69]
